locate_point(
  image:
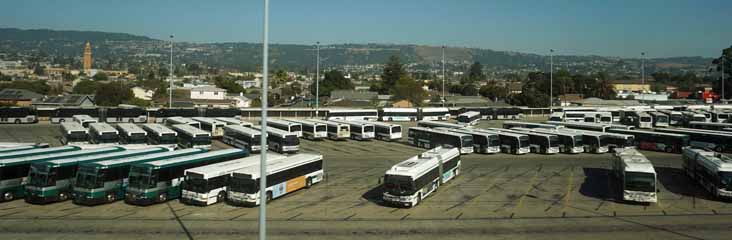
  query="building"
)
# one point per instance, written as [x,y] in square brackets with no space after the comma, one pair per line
[18,97]
[87,57]
[240,101]
[208,93]
[631,86]
[142,93]
[352,95]
[11,64]
[402,104]
[71,100]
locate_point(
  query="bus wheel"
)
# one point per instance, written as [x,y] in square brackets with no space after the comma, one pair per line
[308,182]
[269,196]
[716,149]
[131,121]
[419,199]
[669,149]
[8,196]
[110,197]
[162,197]
[17,121]
[221,196]
[63,196]
[62,120]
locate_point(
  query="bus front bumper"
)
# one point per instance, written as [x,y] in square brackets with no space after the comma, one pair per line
[194,202]
[35,198]
[399,201]
[87,200]
[639,196]
[138,199]
[578,149]
[193,198]
[242,199]
[724,193]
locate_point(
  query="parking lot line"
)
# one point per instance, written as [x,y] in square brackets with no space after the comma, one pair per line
[528,189]
[568,195]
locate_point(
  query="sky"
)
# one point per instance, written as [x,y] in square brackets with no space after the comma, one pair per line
[624,28]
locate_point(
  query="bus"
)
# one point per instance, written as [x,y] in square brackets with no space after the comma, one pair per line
[705,139]
[102,133]
[84,120]
[595,142]
[511,142]
[434,114]
[215,127]
[67,114]
[106,181]
[52,181]
[709,125]
[125,115]
[713,171]
[434,124]
[659,119]
[515,124]
[483,142]
[284,176]
[15,170]
[386,131]
[22,148]
[398,114]
[675,118]
[590,126]
[645,120]
[160,180]
[243,138]
[692,117]
[281,141]
[164,113]
[336,130]
[234,121]
[431,138]
[352,114]
[657,141]
[206,185]
[468,118]
[538,142]
[160,135]
[171,121]
[556,117]
[569,142]
[191,137]
[409,182]
[636,176]
[312,130]
[18,115]
[129,133]
[73,133]
[617,141]
[288,126]
[37,152]
[222,112]
[588,116]
[361,131]
[721,116]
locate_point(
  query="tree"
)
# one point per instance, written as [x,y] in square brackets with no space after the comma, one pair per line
[113,94]
[229,84]
[40,87]
[724,62]
[493,91]
[85,87]
[469,90]
[39,70]
[100,77]
[333,80]
[408,89]
[393,71]
[475,73]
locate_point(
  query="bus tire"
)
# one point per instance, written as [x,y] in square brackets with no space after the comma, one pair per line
[419,199]
[17,121]
[221,196]
[669,149]
[8,196]
[62,120]
[716,149]
[62,196]
[308,182]
[110,197]
[269,196]
[162,197]
[131,121]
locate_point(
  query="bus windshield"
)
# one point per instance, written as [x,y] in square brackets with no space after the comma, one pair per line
[637,181]
[398,185]
[244,185]
[291,140]
[396,129]
[368,128]
[167,138]
[140,177]
[725,179]
[523,141]
[578,141]
[554,141]
[645,119]
[88,180]
[494,141]
[295,128]
[467,141]
[196,185]
[320,128]
[201,140]
[40,177]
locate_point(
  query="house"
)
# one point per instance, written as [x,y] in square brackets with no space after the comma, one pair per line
[142,93]
[71,100]
[240,101]
[352,95]
[18,97]
[631,86]
[208,93]
[253,83]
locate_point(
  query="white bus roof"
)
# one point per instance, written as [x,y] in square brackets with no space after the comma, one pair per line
[469,114]
[121,154]
[305,122]
[130,128]
[276,131]
[231,120]
[634,161]
[208,120]
[548,131]
[650,132]
[162,162]
[380,124]
[352,110]
[103,128]
[330,123]
[417,166]
[439,124]
[694,130]
[228,167]
[414,110]
[73,127]
[281,122]
[440,131]
[540,125]
[511,134]
[435,109]
[39,151]
[170,154]
[191,130]
[180,120]
[352,123]
[502,130]
[159,128]
[469,131]
[83,117]
[280,164]
[711,123]
[243,130]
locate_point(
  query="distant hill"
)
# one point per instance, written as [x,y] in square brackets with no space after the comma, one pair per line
[15,34]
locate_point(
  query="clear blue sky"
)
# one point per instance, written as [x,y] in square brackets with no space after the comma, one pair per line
[662,28]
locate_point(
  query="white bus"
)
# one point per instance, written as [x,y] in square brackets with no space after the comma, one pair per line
[398,114]
[18,115]
[361,131]
[160,135]
[126,114]
[483,142]
[434,124]
[243,137]
[512,143]
[516,124]
[191,137]
[659,119]
[281,141]
[636,176]
[675,118]
[284,176]
[713,171]
[182,120]
[85,120]
[545,143]
[215,127]
[336,130]
[409,182]
[129,133]
[569,142]
[234,121]
[468,118]
[645,120]
[431,138]
[73,133]
[206,185]
[102,133]
[594,141]
[387,131]
[434,114]
[312,130]
[288,126]
[352,114]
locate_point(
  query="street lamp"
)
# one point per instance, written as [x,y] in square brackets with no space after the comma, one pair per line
[263,136]
[643,68]
[722,61]
[170,75]
[317,77]
[551,78]
[443,76]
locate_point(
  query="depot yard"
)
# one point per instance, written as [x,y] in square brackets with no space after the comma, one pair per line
[501,195]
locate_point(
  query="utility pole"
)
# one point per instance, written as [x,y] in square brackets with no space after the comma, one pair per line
[643,68]
[722,77]
[551,78]
[317,78]
[263,136]
[444,100]
[170,75]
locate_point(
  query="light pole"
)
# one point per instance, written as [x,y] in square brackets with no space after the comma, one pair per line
[722,77]
[551,78]
[170,75]
[643,68]
[443,76]
[263,138]
[317,77]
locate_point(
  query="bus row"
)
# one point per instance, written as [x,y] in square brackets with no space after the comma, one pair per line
[104,134]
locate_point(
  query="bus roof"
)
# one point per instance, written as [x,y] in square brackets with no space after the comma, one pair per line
[713,161]
[231,120]
[281,122]
[72,154]
[73,127]
[245,130]
[228,167]
[502,130]
[694,131]
[18,148]
[150,157]
[83,117]
[711,124]
[329,123]
[276,131]
[435,109]
[549,131]
[539,125]
[207,120]
[158,128]
[352,123]
[650,132]
[278,165]
[351,110]
[305,122]
[180,120]
[414,110]
[429,123]
[440,131]
[470,131]
[506,133]
[634,161]
[194,158]
[130,128]
[469,114]
[102,128]
[379,124]
[417,166]
[105,156]
[190,130]
[40,151]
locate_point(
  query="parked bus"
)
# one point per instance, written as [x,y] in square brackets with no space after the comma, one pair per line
[538,142]
[659,119]
[590,126]
[515,124]
[589,117]
[15,170]
[222,112]
[281,141]
[705,139]
[191,137]
[721,116]
[67,114]
[73,133]
[636,176]
[52,181]
[22,148]
[511,142]
[171,121]
[713,171]
[159,181]
[710,125]
[129,133]
[234,121]
[243,138]
[125,115]
[18,115]
[84,120]
[468,118]
[215,127]
[675,118]
[312,130]
[692,117]
[398,114]
[106,181]
[645,120]
[556,117]
[569,142]
[387,131]
[617,141]
[431,138]
[360,130]
[434,114]
[102,133]
[595,142]
[160,135]
[434,124]
[336,130]
[288,126]
[206,185]
[483,142]
[164,113]
[37,152]
[657,141]
[284,176]
[409,182]
[352,114]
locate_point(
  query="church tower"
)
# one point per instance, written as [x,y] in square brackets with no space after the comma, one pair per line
[87,57]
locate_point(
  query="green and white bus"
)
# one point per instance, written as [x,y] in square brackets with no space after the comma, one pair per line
[52,181]
[14,171]
[106,181]
[22,148]
[158,181]
[37,152]
[191,137]
[73,133]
